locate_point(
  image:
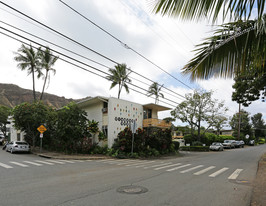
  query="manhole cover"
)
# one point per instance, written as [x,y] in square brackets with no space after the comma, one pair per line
[131,189]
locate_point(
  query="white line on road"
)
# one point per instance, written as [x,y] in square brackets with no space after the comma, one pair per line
[47,163]
[159,168]
[19,164]
[33,163]
[204,170]
[193,168]
[68,161]
[158,165]
[5,166]
[218,172]
[56,161]
[176,168]
[235,174]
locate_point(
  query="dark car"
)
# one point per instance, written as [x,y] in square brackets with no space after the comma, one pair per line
[239,144]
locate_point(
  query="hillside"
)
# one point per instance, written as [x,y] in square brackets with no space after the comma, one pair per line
[12,95]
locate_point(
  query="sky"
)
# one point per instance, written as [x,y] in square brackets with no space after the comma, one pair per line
[153,46]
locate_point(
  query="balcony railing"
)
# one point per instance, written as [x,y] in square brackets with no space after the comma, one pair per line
[156,123]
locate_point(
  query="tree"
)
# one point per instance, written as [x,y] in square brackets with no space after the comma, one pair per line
[29,59]
[258,125]
[28,117]
[218,123]
[4,113]
[47,62]
[236,48]
[119,76]
[245,126]
[199,108]
[155,89]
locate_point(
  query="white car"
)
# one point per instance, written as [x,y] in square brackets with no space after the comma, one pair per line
[217,146]
[17,146]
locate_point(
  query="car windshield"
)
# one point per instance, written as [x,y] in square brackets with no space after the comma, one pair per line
[226,141]
[215,143]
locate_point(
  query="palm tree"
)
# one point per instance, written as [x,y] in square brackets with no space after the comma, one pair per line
[47,62]
[119,76]
[235,49]
[155,89]
[29,59]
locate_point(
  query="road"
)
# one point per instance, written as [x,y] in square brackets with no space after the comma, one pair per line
[209,178]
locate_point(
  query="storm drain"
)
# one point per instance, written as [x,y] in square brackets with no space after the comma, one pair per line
[131,189]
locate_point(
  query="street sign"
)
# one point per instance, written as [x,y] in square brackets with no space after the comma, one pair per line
[41,135]
[41,129]
[247,136]
[134,126]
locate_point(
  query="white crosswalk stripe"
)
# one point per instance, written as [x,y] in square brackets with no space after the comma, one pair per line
[33,163]
[47,163]
[56,161]
[176,168]
[172,165]
[68,161]
[5,166]
[204,170]
[19,164]
[235,174]
[218,172]
[158,165]
[191,169]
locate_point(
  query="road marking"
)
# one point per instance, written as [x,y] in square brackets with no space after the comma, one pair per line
[56,161]
[33,163]
[159,168]
[193,168]
[235,174]
[78,160]
[68,161]
[5,166]
[105,160]
[19,164]
[140,163]
[176,168]
[158,165]
[47,163]
[218,172]
[204,170]
[88,160]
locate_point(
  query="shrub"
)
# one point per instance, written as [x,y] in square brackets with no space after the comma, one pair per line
[195,148]
[261,141]
[197,143]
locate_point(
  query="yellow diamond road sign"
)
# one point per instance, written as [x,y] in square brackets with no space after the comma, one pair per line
[41,129]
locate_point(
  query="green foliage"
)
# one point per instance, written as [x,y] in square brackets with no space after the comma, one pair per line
[4,113]
[195,148]
[244,124]
[155,89]
[261,141]
[156,143]
[28,117]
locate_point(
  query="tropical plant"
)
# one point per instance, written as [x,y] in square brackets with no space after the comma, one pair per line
[155,89]
[47,62]
[119,76]
[29,59]
[259,125]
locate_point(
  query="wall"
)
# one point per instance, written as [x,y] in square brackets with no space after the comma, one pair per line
[120,114]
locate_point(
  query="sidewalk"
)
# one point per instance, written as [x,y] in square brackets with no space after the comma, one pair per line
[259,186]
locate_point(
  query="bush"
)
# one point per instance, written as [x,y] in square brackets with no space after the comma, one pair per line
[176,145]
[261,141]
[197,143]
[195,148]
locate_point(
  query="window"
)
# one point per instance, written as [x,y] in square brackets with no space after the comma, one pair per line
[18,136]
[149,113]
[105,130]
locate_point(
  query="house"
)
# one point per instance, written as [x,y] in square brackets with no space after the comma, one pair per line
[12,133]
[115,114]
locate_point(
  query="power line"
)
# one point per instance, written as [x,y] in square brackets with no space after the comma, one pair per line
[122,43]
[76,61]
[78,43]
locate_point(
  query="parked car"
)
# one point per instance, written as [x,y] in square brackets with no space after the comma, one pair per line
[251,142]
[217,146]
[229,144]
[239,144]
[17,146]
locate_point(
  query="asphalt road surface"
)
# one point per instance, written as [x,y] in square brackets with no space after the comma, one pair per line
[209,178]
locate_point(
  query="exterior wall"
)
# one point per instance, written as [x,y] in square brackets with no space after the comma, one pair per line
[120,114]
[15,135]
[154,114]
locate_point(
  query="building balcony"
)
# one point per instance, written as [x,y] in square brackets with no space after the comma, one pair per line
[156,123]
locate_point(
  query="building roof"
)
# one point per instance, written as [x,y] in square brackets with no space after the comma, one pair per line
[92,100]
[156,107]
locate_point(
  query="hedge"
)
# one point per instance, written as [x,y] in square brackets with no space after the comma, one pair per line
[195,148]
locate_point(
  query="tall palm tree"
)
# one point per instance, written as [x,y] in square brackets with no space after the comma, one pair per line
[29,59]
[237,48]
[155,89]
[47,62]
[119,76]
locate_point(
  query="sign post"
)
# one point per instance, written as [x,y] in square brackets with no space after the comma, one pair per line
[41,129]
[133,129]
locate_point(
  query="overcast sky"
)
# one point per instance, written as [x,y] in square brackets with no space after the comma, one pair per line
[166,42]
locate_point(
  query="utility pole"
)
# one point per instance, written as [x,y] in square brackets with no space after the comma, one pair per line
[239,122]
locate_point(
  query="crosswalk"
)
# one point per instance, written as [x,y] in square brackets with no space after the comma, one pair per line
[155,165]
[171,167]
